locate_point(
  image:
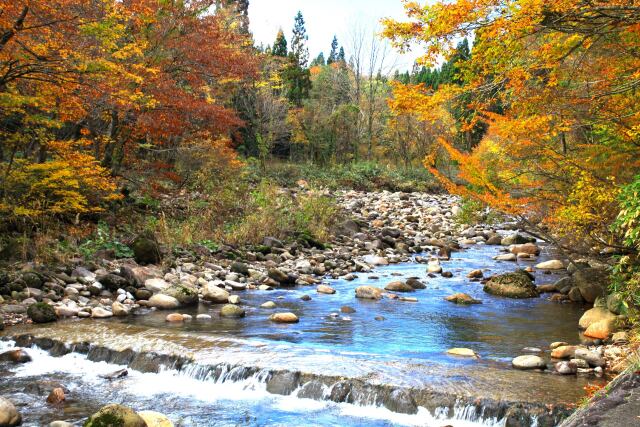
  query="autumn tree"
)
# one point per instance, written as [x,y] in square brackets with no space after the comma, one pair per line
[565,74]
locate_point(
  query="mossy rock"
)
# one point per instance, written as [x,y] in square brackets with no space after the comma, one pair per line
[146,249]
[42,313]
[115,416]
[512,285]
[185,294]
[32,279]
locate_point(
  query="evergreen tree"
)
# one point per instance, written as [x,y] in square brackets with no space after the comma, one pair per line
[341,57]
[333,54]
[319,61]
[280,45]
[299,49]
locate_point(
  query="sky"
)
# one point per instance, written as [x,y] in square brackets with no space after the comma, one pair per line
[323,19]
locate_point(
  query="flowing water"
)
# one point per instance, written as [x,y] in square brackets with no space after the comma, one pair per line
[222,372]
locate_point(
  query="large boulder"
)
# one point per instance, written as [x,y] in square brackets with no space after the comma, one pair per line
[146,249]
[527,248]
[602,329]
[185,293]
[516,239]
[9,415]
[512,285]
[42,313]
[15,356]
[113,282]
[595,315]
[213,293]
[115,416]
[369,292]
[616,304]
[592,282]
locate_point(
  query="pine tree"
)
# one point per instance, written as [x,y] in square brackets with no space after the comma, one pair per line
[280,45]
[299,39]
[319,61]
[341,56]
[333,54]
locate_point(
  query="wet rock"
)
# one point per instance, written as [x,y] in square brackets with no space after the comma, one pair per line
[547,289]
[398,286]
[120,373]
[375,260]
[447,274]
[564,352]
[269,305]
[146,249]
[283,383]
[174,318]
[494,240]
[305,298]
[475,274]
[15,356]
[56,396]
[512,285]
[528,362]
[462,299]
[602,329]
[100,313]
[115,415]
[185,293]
[566,368]
[163,302]
[204,317]
[155,419]
[347,310]
[231,311]
[415,283]
[506,257]
[379,318]
[213,293]
[557,344]
[532,350]
[401,402]
[284,318]
[324,289]
[434,266]
[593,358]
[527,248]
[592,282]
[554,264]
[464,352]
[119,310]
[575,295]
[516,239]
[280,276]
[9,415]
[113,282]
[369,292]
[595,315]
[42,313]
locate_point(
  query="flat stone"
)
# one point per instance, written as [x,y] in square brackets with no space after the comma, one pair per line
[369,292]
[398,286]
[163,302]
[528,362]
[464,352]
[100,313]
[553,264]
[284,318]
[462,299]
[324,289]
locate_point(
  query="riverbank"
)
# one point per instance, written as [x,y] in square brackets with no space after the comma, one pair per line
[385,229]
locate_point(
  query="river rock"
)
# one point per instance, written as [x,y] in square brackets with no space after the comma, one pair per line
[528,362]
[155,419]
[9,415]
[213,293]
[557,344]
[554,264]
[347,310]
[512,285]
[616,304]
[506,257]
[42,313]
[462,299]
[464,352]
[185,293]
[269,305]
[100,313]
[602,329]
[56,396]
[527,248]
[516,239]
[375,260]
[119,310]
[284,318]
[593,358]
[434,266]
[566,368]
[156,285]
[163,302]
[324,289]
[15,356]
[146,249]
[475,274]
[115,415]
[595,315]
[564,352]
[174,318]
[592,282]
[113,282]
[398,286]
[369,292]
[415,283]
[232,311]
